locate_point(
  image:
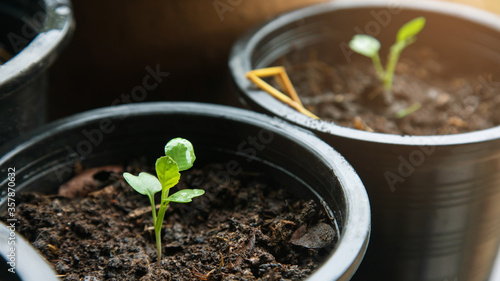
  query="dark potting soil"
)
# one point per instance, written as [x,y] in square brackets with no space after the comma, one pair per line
[351,95]
[243,228]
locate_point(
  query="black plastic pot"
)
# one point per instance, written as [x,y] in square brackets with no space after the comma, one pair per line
[34,31]
[24,262]
[293,156]
[434,199]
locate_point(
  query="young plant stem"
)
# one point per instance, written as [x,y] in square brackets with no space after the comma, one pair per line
[391,67]
[157,231]
[388,75]
[159,222]
[158,244]
[379,69]
[385,76]
[153,208]
[158,225]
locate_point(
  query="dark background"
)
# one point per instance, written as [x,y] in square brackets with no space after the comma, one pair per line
[116,40]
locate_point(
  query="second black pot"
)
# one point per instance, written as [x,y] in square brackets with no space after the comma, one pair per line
[434,198]
[34,33]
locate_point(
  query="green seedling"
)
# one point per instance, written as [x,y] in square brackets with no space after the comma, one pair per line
[179,156]
[369,46]
[407,111]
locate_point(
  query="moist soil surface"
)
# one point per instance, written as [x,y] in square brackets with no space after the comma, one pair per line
[351,95]
[243,228]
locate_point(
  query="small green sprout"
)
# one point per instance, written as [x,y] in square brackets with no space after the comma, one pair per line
[179,157]
[407,111]
[368,46]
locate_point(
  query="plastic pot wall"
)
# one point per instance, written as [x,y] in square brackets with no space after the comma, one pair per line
[20,261]
[118,134]
[35,33]
[434,199]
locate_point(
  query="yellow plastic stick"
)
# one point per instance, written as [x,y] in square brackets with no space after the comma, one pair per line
[287,84]
[281,77]
[284,81]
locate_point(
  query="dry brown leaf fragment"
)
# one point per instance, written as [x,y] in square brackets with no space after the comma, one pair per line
[84,182]
[315,237]
[457,122]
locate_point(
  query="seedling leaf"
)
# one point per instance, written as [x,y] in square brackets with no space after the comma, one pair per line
[185,195]
[410,29]
[365,45]
[145,183]
[182,151]
[167,171]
